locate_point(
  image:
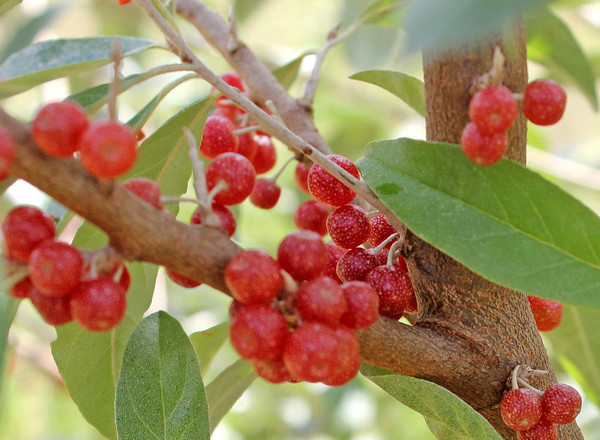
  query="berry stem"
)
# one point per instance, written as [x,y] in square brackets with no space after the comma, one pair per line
[245,130]
[392,253]
[515,372]
[526,385]
[384,243]
[282,169]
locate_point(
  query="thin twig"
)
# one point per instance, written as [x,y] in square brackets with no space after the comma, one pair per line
[117,57]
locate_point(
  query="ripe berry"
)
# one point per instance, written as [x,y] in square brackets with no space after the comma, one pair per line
[258,332]
[327,189]
[237,174]
[146,189]
[20,290]
[226,217]
[547,313]
[7,154]
[55,310]
[334,253]
[301,176]
[266,156]
[98,304]
[348,226]
[124,2]
[24,228]
[380,230]
[253,277]
[544,102]
[493,110]
[561,403]
[312,216]
[272,370]
[302,254]
[355,264]
[55,267]
[321,299]
[217,137]
[482,149]
[108,149]
[362,305]
[247,146]
[544,430]
[57,128]
[265,193]
[182,280]
[393,287]
[310,352]
[234,80]
[521,409]
[347,358]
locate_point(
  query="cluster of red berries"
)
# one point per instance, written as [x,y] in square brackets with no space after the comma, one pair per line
[534,414]
[494,109]
[62,283]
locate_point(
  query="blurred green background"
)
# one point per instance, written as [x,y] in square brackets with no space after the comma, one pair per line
[34,405]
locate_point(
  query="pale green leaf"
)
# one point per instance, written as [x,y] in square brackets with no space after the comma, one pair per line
[287,74]
[7,5]
[408,88]
[160,394]
[208,342]
[95,97]
[8,309]
[504,222]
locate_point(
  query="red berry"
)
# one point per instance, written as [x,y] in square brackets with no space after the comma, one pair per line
[58,127]
[561,403]
[266,156]
[521,409]
[362,305]
[253,277]
[217,137]
[380,230]
[124,2]
[20,289]
[312,216]
[7,154]
[108,149]
[355,264]
[247,146]
[347,358]
[334,253]
[544,430]
[327,189]
[547,313]
[482,149]
[265,193]
[493,110]
[55,310]
[226,217]
[302,254]
[272,370]
[24,228]
[237,174]
[146,189]
[55,267]
[393,287]
[311,351]
[321,299]
[234,80]
[301,177]
[348,226]
[258,332]
[182,280]
[98,304]
[544,102]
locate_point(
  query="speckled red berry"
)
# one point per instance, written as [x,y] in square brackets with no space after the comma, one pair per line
[235,173]
[54,310]
[321,299]
[98,304]
[561,403]
[217,137]
[266,155]
[226,218]
[265,193]
[544,430]
[348,226]
[355,264]
[362,305]
[181,279]
[547,313]
[301,176]
[312,216]
[55,267]
[380,230]
[253,276]
[302,254]
[544,102]
[24,228]
[482,149]
[493,110]
[146,189]
[58,127]
[327,189]
[521,409]
[393,287]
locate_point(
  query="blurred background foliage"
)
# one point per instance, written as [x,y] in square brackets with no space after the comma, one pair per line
[34,405]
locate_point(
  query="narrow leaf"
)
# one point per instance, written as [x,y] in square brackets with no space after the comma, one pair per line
[53,59]
[287,74]
[208,342]
[408,88]
[448,417]
[160,394]
[576,342]
[95,97]
[550,42]
[89,362]
[503,221]
[227,388]
[8,309]
[7,5]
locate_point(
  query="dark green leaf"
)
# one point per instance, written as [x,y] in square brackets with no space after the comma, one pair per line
[89,362]
[576,342]
[438,24]
[7,5]
[227,388]
[208,342]
[448,417]
[160,394]
[550,42]
[408,88]
[53,59]
[503,221]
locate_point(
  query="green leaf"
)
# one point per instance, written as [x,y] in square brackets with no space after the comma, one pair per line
[95,97]
[53,59]
[227,388]
[89,362]
[439,24]
[160,394]
[208,342]
[8,309]
[287,74]
[448,417]
[245,8]
[503,221]
[7,5]
[550,42]
[576,342]
[408,88]
[382,12]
